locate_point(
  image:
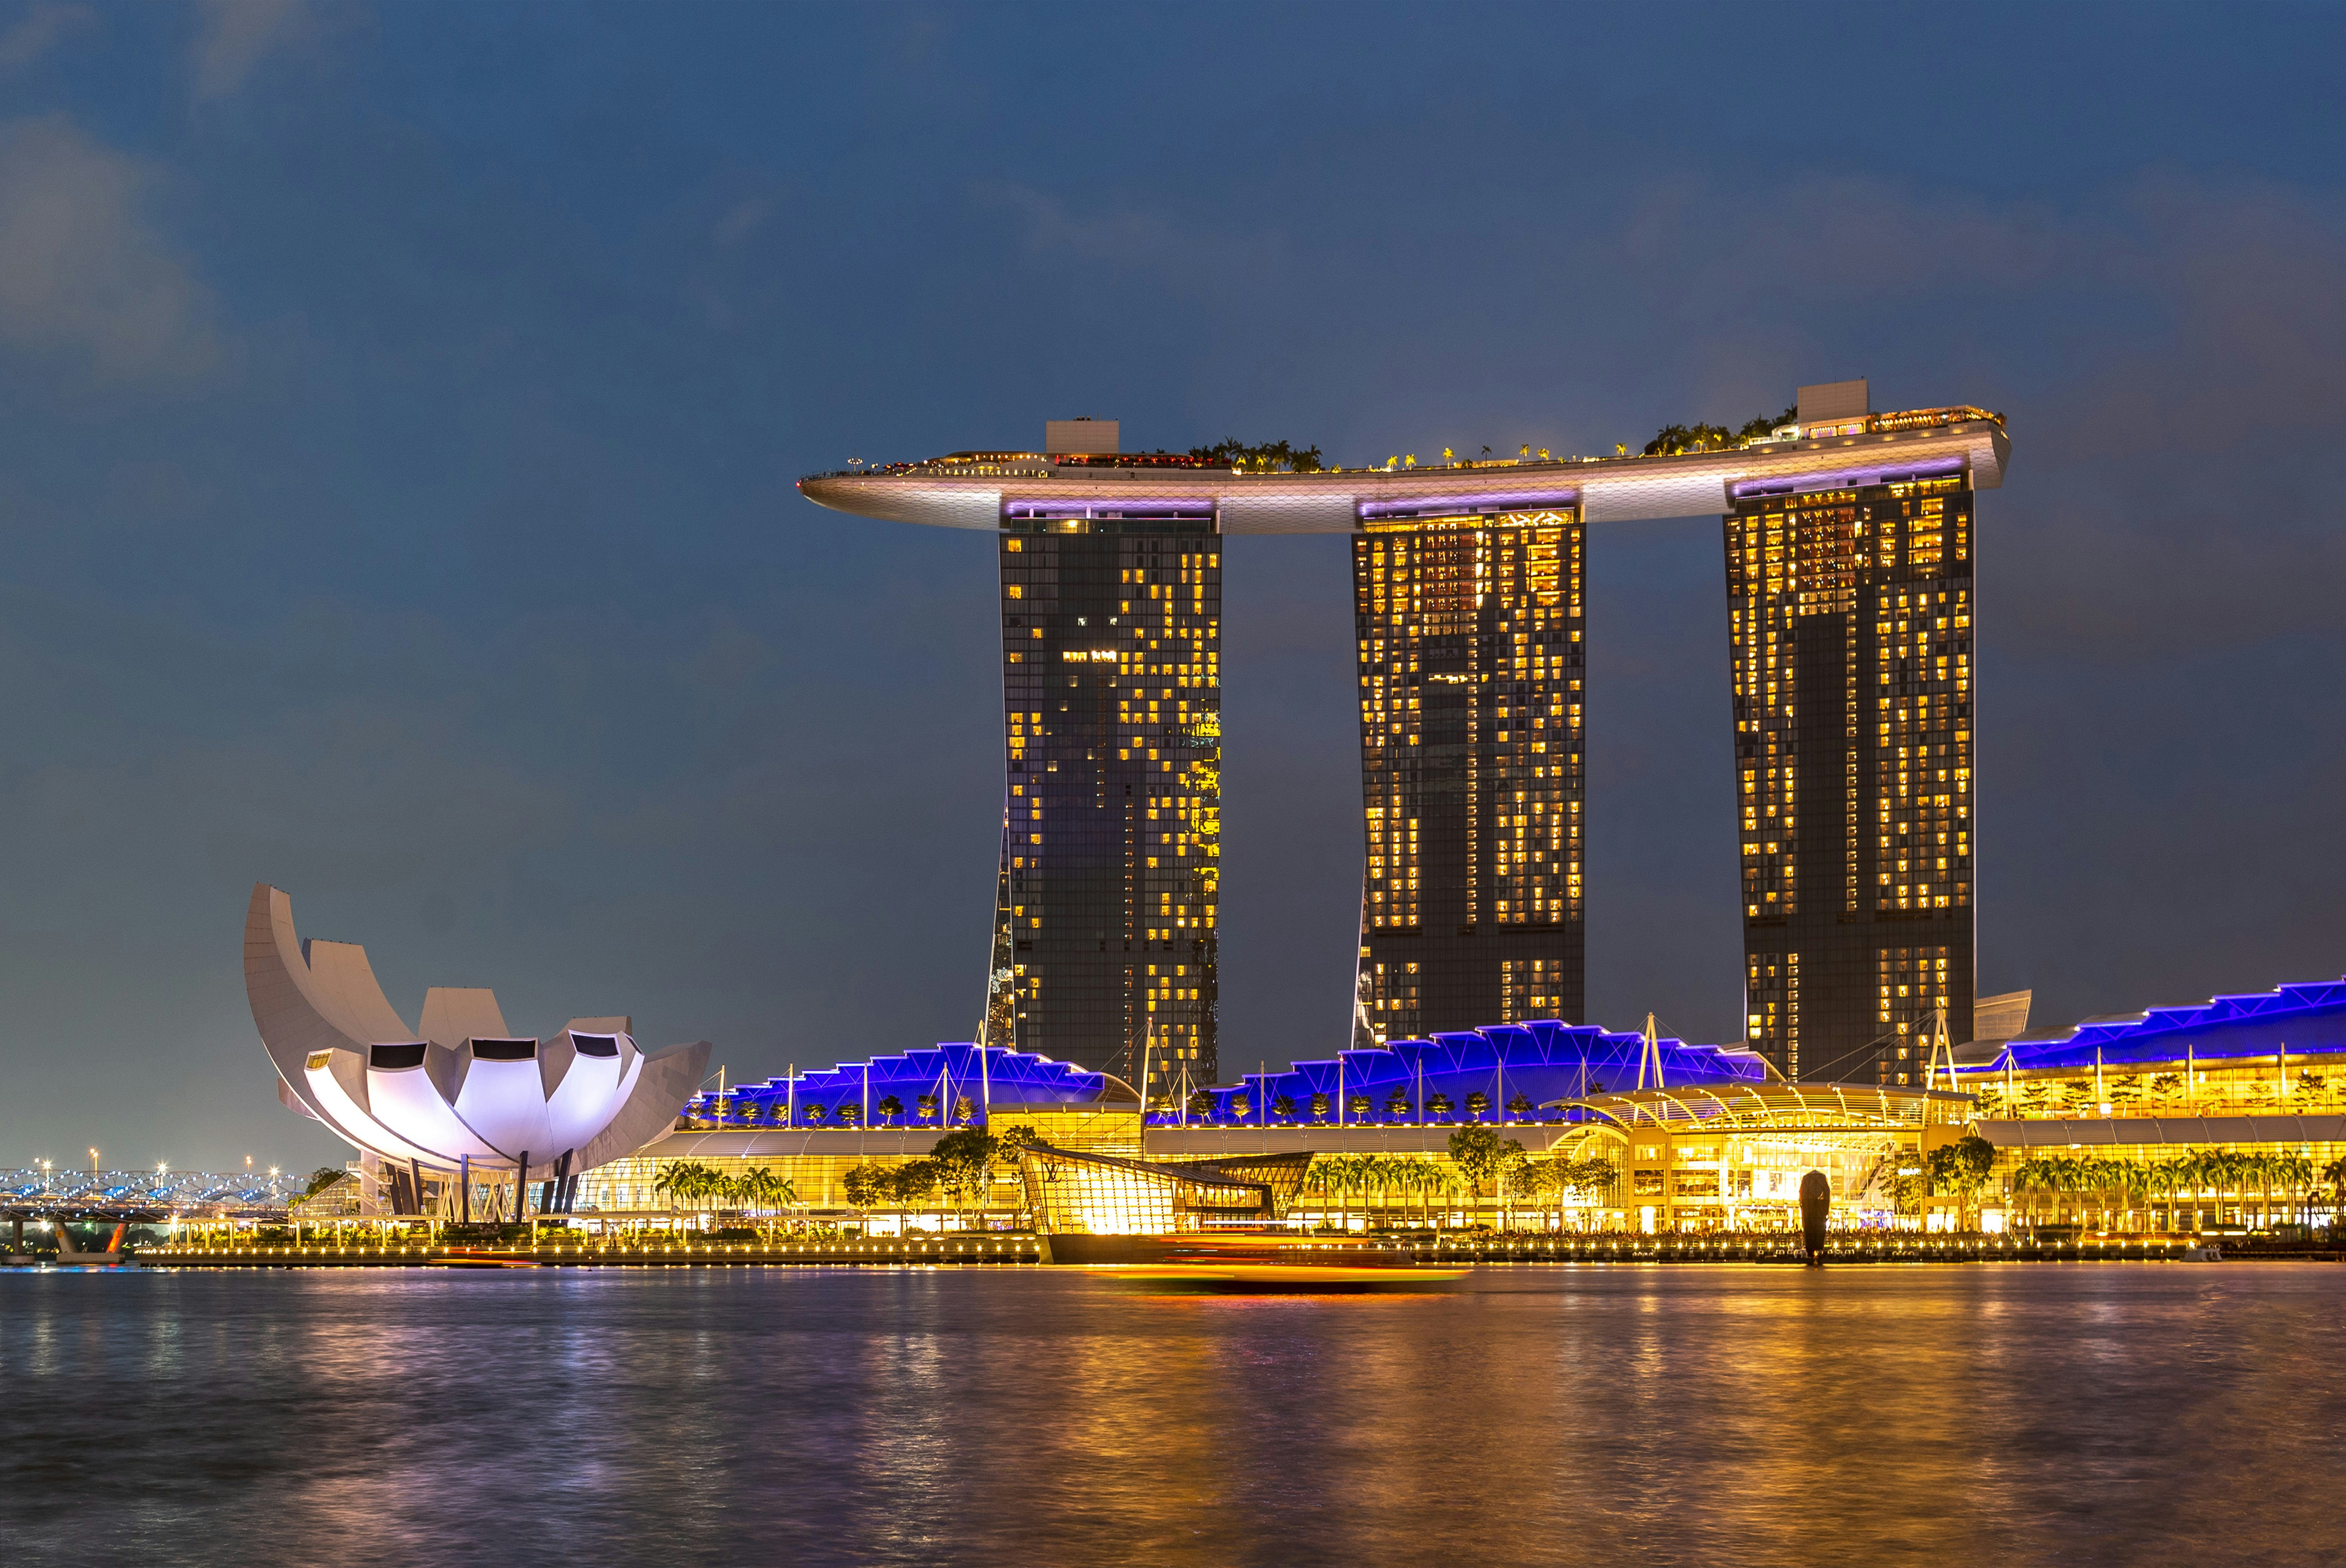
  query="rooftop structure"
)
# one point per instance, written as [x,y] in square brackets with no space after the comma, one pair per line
[945,1086]
[970,489]
[2306,1020]
[1504,1073]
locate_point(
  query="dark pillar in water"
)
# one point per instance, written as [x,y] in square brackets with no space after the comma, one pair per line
[1816,1202]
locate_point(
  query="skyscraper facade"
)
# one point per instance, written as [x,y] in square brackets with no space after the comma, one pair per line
[1851,619]
[1471,672]
[1103,949]
[1849,543]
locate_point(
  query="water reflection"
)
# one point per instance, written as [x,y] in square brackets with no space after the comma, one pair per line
[2034,1413]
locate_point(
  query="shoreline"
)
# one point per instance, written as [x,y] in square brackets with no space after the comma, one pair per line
[1031,1250]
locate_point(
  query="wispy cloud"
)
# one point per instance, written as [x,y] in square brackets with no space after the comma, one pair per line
[1193,257]
[42,29]
[82,272]
[235,35]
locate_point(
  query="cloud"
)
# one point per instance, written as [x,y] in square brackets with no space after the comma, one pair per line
[82,272]
[43,28]
[236,35]
[1191,257]
[742,220]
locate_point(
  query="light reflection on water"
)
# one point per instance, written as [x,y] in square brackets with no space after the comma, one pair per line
[2106,1413]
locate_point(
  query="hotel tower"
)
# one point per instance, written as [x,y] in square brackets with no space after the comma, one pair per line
[1471,672]
[1850,614]
[1849,562]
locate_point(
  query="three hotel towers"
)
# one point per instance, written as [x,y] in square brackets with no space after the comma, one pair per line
[1849,543]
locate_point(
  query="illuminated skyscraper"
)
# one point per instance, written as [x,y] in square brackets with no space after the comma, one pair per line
[1470,657]
[1468,582]
[1104,948]
[1850,619]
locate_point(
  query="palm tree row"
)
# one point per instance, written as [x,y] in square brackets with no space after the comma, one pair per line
[1337,1179]
[2186,1178]
[690,1181]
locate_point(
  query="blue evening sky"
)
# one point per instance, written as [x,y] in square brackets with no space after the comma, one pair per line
[399,409]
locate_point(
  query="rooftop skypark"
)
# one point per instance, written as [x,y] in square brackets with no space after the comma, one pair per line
[1849,538]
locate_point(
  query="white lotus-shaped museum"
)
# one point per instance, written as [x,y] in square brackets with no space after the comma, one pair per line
[460,1090]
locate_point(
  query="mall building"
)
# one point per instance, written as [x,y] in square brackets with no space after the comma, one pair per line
[2223,1115]
[1612,1132]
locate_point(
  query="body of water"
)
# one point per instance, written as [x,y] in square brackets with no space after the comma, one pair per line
[1969,1414]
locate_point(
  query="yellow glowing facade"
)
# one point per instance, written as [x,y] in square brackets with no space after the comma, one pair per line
[1471,671]
[1851,622]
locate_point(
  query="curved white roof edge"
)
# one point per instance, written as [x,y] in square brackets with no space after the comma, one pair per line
[320,1010]
[1607,490]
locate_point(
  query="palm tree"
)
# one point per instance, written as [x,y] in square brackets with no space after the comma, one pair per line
[1320,1177]
[765,1187]
[680,1180]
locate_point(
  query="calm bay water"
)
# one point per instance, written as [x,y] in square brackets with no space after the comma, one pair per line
[2107,1413]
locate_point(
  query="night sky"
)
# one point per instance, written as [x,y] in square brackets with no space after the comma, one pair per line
[402,407]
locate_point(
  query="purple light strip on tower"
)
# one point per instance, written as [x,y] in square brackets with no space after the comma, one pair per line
[1118,505]
[1490,500]
[1877,474]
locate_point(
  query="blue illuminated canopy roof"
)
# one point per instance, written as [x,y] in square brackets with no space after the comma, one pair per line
[1540,1068]
[929,1083]
[2305,1020]
[1533,1066]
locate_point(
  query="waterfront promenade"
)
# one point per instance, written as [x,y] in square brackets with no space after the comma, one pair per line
[969,1248]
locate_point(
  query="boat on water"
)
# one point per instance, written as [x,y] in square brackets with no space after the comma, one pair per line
[471,1257]
[1287,1264]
